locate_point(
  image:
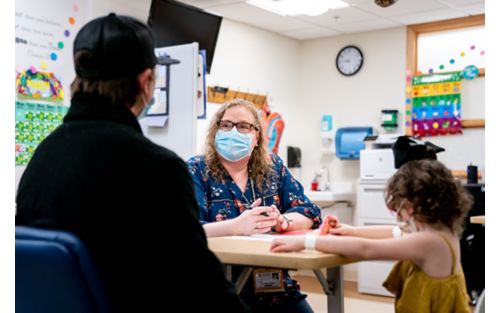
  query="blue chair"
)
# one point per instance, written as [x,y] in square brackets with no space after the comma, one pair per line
[55,274]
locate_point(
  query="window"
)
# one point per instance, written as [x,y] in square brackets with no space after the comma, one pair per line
[451,50]
[447,45]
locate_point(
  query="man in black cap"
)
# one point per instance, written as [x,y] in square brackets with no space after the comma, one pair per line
[129,200]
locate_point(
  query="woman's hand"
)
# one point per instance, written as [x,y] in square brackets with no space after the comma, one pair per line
[292,243]
[257,220]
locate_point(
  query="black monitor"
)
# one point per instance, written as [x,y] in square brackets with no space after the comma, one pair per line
[175,23]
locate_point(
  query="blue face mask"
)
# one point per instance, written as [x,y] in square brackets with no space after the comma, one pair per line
[233,145]
[146,108]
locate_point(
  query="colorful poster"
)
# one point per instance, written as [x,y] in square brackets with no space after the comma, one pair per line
[38,85]
[436,104]
[34,122]
[45,30]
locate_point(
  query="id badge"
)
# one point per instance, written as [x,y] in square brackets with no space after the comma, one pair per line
[268,280]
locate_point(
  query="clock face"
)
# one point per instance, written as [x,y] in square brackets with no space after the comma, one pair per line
[349,60]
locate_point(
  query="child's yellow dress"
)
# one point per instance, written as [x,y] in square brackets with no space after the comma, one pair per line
[417,292]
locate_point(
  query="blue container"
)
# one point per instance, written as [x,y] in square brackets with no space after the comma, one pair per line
[349,141]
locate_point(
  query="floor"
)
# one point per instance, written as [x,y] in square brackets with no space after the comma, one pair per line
[354,302]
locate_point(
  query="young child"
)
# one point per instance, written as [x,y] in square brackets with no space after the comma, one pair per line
[432,205]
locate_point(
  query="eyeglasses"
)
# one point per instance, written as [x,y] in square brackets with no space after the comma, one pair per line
[242,127]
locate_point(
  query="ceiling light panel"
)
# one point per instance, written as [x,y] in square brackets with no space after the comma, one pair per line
[298,7]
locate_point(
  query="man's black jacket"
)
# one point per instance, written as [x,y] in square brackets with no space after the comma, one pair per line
[132,203]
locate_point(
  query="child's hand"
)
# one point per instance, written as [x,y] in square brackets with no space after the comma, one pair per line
[282,222]
[329,222]
[293,243]
[342,230]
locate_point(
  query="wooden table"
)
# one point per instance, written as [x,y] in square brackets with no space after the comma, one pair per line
[479,219]
[254,252]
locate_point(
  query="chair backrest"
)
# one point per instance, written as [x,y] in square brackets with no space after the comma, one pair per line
[55,274]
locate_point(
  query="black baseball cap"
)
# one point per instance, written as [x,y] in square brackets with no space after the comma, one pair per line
[121,47]
[406,149]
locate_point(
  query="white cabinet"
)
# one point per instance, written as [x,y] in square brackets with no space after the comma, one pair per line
[371,204]
[371,210]
[371,275]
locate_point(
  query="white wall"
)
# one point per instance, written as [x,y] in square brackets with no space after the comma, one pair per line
[302,83]
[136,8]
[353,101]
[256,61]
[246,58]
[358,100]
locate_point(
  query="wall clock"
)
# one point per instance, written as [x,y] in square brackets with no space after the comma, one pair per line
[349,60]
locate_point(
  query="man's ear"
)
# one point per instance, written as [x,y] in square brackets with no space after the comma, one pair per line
[144,78]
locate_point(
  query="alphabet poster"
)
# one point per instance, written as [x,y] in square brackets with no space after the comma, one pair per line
[45,30]
[436,104]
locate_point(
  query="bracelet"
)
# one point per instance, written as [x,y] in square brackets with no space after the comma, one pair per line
[396,232]
[287,226]
[310,242]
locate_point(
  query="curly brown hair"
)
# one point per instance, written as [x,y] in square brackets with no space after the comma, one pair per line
[259,164]
[436,196]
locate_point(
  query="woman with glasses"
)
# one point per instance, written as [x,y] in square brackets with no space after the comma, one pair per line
[242,190]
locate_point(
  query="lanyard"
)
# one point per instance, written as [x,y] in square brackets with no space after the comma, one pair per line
[248,204]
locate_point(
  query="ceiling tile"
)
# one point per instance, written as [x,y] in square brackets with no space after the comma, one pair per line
[355,2]
[209,3]
[251,15]
[474,9]
[310,33]
[461,2]
[334,17]
[402,7]
[366,26]
[363,15]
[430,16]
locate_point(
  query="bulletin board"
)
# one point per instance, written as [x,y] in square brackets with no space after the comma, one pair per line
[44,30]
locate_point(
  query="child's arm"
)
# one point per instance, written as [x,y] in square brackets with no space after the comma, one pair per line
[375,232]
[411,247]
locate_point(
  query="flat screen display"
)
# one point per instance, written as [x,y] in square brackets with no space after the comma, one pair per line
[176,23]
